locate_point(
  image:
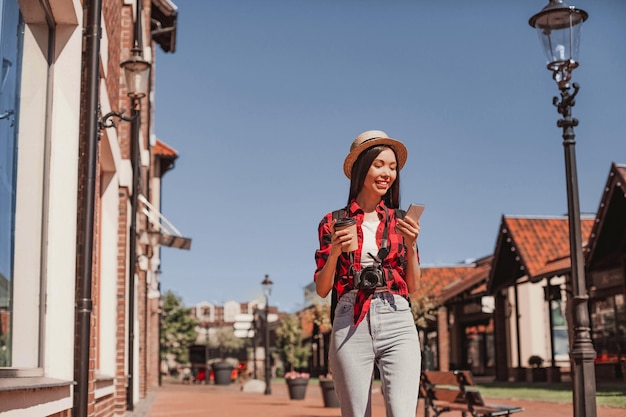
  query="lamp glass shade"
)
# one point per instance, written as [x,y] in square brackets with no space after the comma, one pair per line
[558,26]
[137,73]
[267,286]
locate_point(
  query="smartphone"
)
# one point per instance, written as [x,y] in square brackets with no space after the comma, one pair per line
[415,211]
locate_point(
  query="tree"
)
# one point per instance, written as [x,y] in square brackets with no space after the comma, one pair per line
[289,342]
[424,305]
[178,329]
[225,340]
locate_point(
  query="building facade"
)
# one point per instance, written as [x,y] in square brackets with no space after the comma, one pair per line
[605,259]
[245,321]
[79,201]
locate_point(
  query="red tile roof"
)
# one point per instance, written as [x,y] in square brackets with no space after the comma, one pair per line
[163,150]
[543,243]
[537,247]
[446,282]
[475,282]
[436,278]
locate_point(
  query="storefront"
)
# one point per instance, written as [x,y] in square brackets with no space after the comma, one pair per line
[461,336]
[606,271]
[529,280]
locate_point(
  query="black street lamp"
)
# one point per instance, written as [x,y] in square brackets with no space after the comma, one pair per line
[559,25]
[267,290]
[207,377]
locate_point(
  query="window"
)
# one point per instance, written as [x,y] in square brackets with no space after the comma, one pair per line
[11,44]
[560,336]
[608,318]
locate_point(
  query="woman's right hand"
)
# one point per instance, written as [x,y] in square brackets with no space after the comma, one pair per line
[326,276]
[341,240]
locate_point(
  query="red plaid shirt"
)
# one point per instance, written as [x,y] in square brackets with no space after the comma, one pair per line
[394,264]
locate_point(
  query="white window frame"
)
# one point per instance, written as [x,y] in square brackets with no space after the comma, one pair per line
[46,204]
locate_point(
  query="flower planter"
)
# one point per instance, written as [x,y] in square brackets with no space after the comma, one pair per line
[539,374]
[554,374]
[297,388]
[520,374]
[222,372]
[328,393]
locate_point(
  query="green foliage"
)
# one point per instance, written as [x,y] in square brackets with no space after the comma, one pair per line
[424,305]
[4,350]
[319,315]
[535,361]
[178,328]
[289,343]
[607,395]
[224,339]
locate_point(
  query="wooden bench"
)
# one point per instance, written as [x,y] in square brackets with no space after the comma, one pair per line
[445,391]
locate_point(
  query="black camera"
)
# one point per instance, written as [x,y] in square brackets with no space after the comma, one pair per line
[369,278]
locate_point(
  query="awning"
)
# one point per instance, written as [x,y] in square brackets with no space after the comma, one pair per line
[170,236]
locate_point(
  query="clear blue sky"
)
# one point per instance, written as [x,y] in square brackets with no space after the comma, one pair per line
[262,99]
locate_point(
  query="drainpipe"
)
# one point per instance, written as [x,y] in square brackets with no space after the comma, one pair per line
[84,304]
[132,257]
[136,167]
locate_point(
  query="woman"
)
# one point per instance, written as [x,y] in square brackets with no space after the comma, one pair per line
[373,323]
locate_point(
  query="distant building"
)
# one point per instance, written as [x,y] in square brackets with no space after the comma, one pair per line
[213,318]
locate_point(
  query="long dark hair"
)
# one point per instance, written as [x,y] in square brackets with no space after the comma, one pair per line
[359,172]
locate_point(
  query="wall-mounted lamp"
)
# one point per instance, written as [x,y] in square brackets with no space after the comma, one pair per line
[137,75]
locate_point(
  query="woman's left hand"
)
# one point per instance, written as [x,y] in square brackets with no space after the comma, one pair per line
[409,229]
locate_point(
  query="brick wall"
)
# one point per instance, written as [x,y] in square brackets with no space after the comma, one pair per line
[141,319]
[122,294]
[443,336]
[105,406]
[153,367]
[118,21]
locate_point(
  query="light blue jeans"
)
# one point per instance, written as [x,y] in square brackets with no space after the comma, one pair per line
[387,337]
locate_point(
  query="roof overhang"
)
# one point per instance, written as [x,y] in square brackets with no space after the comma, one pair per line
[607,241]
[507,266]
[166,155]
[164,16]
[470,284]
[533,248]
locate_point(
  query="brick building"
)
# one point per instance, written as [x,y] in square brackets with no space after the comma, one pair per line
[80,190]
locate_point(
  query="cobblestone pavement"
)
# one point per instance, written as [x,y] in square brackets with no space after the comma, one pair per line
[178,400]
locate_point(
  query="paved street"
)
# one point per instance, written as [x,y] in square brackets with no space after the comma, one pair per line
[177,400]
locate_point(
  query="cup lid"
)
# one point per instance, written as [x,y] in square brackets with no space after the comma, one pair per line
[345,221]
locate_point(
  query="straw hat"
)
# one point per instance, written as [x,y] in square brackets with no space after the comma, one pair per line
[373,138]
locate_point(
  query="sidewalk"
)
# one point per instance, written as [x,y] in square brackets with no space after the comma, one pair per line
[178,400]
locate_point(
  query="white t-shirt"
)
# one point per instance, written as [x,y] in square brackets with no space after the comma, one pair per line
[369,242]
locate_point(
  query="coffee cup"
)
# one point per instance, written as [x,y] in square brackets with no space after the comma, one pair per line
[349,223]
